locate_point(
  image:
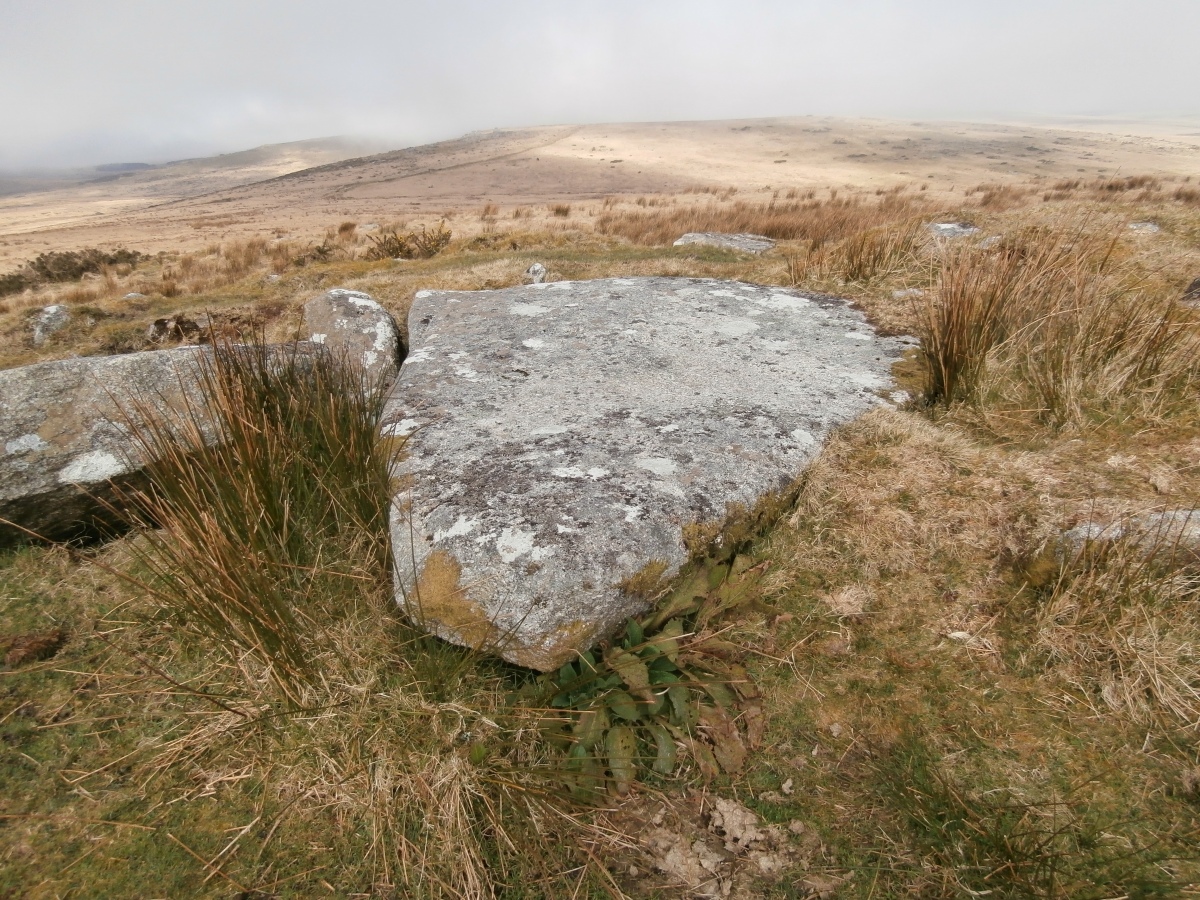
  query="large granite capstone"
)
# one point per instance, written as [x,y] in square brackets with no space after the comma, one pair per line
[562,436]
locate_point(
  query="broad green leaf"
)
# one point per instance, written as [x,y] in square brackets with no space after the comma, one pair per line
[717,574]
[667,640]
[624,706]
[683,708]
[658,700]
[566,674]
[621,745]
[633,631]
[684,600]
[632,670]
[720,693]
[663,671]
[590,727]
[664,761]
[741,563]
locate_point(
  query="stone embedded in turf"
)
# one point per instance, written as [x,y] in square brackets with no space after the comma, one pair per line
[562,436]
[746,243]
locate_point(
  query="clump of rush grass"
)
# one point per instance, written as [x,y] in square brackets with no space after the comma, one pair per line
[1118,620]
[276,462]
[1048,327]
[817,221]
[861,256]
[269,555]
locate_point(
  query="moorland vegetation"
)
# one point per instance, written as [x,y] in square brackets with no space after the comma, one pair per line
[903,667]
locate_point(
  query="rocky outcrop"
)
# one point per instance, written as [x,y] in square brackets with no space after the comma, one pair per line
[745,243]
[355,323]
[571,443]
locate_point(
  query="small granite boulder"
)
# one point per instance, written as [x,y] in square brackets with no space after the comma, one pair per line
[1192,295]
[535,274]
[355,321]
[952,230]
[564,438]
[49,320]
[746,243]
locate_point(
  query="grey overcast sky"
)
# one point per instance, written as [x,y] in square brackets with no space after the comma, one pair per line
[95,81]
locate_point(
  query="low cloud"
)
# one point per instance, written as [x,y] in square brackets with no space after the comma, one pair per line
[134,80]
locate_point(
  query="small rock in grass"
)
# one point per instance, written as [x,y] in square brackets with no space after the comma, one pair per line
[746,243]
[49,320]
[134,295]
[1192,294]
[356,322]
[1145,227]
[535,274]
[952,230]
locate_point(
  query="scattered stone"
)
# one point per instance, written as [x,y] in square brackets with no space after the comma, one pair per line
[273,278]
[988,243]
[952,230]
[563,438]
[1173,531]
[746,243]
[49,320]
[355,322]
[173,330]
[1192,294]
[1145,227]
[906,293]
[535,274]
[134,295]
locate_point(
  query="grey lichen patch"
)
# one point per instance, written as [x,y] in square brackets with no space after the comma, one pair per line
[562,437]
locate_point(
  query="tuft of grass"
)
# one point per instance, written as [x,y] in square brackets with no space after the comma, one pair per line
[249,487]
[862,256]
[817,221]
[1118,621]
[1049,325]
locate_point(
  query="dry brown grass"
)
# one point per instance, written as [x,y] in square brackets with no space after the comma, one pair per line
[817,221]
[1049,326]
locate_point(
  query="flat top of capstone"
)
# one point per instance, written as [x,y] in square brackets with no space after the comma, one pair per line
[562,435]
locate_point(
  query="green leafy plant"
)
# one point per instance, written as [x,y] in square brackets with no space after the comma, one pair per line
[668,688]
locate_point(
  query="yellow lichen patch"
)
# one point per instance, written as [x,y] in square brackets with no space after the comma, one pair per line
[647,581]
[441,602]
[564,645]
